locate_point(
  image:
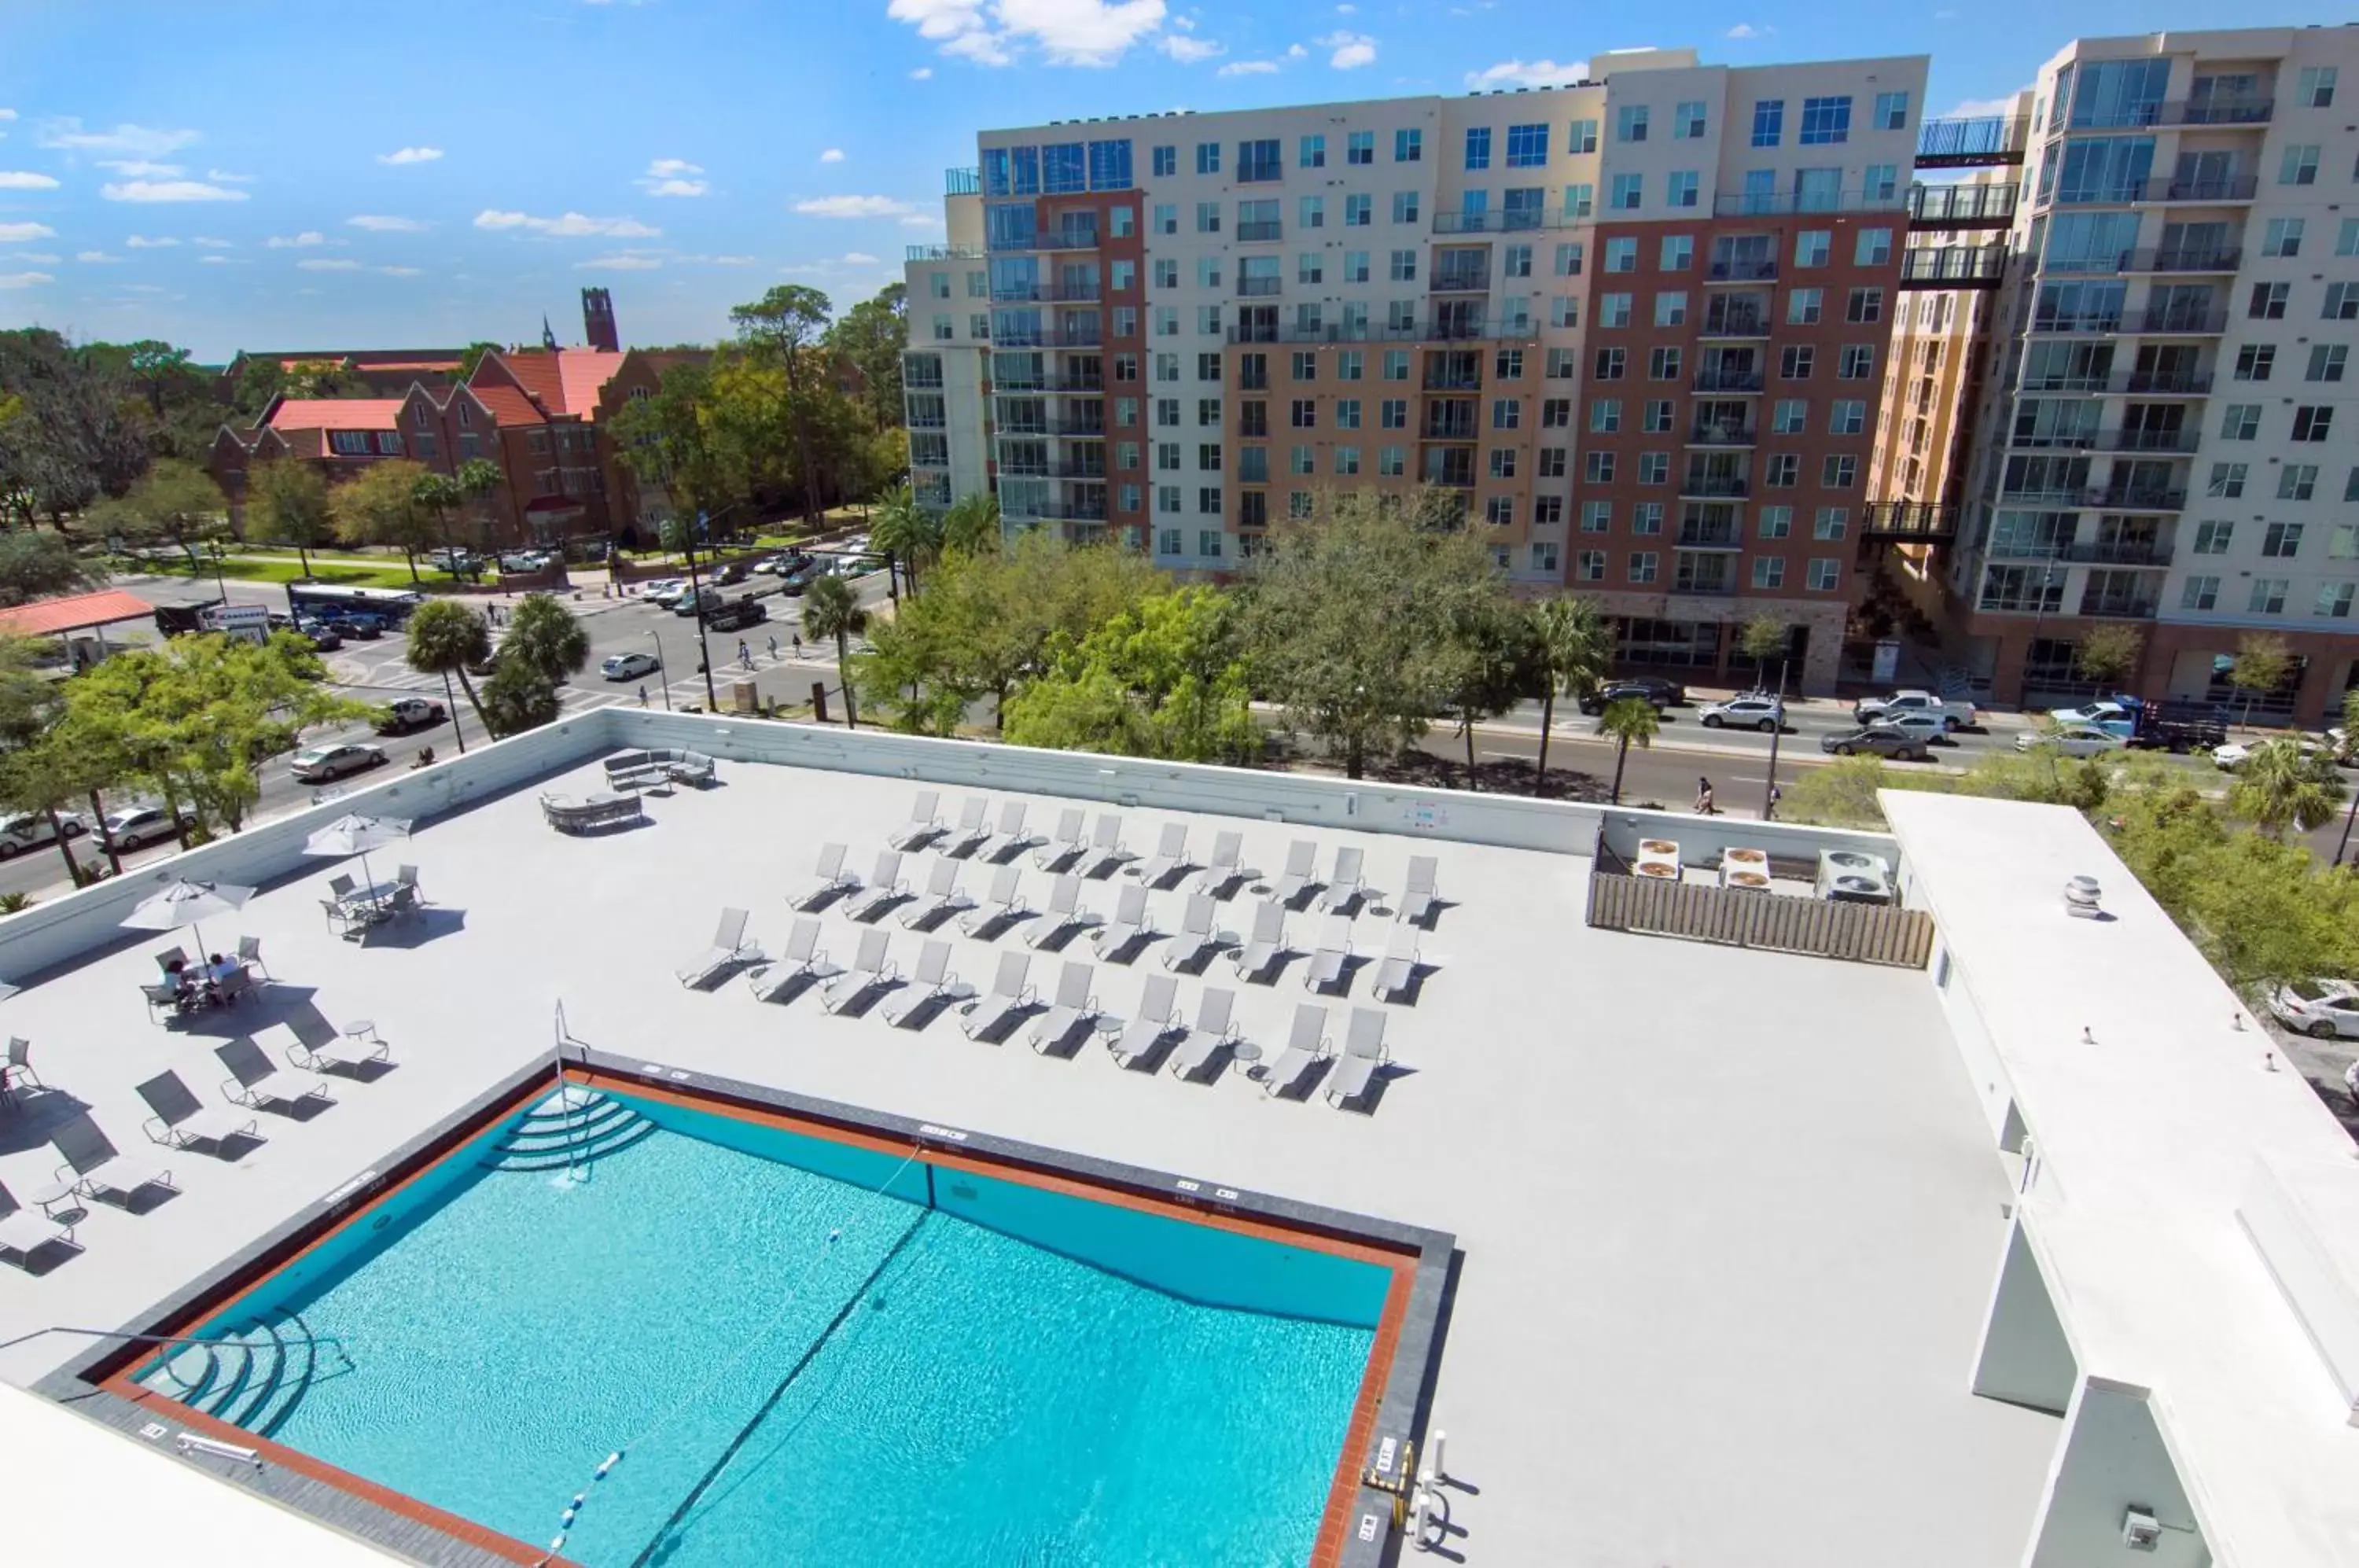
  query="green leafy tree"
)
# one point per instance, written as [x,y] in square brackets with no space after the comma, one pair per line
[2262,663]
[2278,788]
[287,503]
[972,524]
[1762,637]
[258,381]
[872,337]
[911,533]
[174,501]
[1628,720]
[668,442]
[438,496]
[517,698]
[2108,653]
[1165,679]
[545,638]
[782,329]
[82,430]
[468,360]
[1571,647]
[1486,666]
[379,506]
[906,675]
[446,638]
[831,612]
[38,566]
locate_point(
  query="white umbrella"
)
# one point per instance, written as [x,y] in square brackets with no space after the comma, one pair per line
[184,903]
[356,834]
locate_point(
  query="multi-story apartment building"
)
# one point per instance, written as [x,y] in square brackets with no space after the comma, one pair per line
[2165,435]
[1636,323]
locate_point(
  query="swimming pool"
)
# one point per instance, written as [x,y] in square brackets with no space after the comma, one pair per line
[808,1348]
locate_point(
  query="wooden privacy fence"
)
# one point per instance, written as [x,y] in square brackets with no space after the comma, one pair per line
[1866,933]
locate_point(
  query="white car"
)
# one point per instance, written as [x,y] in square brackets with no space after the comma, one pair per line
[2322,1009]
[1929,725]
[2234,755]
[628,666]
[134,827]
[31,830]
[664,591]
[325,764]
[1953,711]
[1763,713]
[2071,740]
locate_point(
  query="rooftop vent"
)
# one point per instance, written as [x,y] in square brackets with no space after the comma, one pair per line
[2082,897]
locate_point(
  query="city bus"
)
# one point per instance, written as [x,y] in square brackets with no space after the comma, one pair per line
[331,602]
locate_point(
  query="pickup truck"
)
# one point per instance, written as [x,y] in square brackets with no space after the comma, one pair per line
[1955,711]
[405,714]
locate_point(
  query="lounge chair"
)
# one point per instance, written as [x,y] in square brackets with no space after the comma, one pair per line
[1212,1034]
[1344,885]
[253,1081]
[885,888]
[1301,863]
[1363,1052]
[933,982]
[801,961]
[249,953]
[17,1071]
[1105,853]
[870,971]
[340,1052]
[1170,855]
[1158,1015]
[1003,902]
[1009,996]
[1267,941]
[1227,867]
[1011,839]
[923,822]
[181,1119]
[1074,1008]
[1063,914]
[1128,925]
[22,1233]
[1417,895]
[729,948]
[969,834]
[1066,846]
[1399,965]
[1197,939]
[831,879]
[94,1167]
[1334,951]
[1306,1048]
[942,898]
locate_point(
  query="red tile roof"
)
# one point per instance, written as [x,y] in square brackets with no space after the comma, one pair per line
[566,380]
[335,414]
[508,405]
[46,617]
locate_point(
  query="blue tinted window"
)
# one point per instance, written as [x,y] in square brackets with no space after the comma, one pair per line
[995,171]
[1768,121]
[1063,169]
[1110,165]
[1825,121]
[1167,161]
[1028,171]
[1409,146]
[1526,145]
[1478,147]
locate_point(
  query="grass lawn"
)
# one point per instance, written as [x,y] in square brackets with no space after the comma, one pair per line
[360,572]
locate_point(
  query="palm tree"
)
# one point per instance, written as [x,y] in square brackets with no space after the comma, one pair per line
[2278,788]
[972,525]
[908,531]
[830,609]
[445,638]
[1571,644]
[545,638]
[1632,718]
[439,494]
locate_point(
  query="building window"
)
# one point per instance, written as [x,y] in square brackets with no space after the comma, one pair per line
[2200,594]
[2281,541]
[1543,557]
[1663,364]
[2283,237]
[2326,362]
[1166,540]
[1677,253]
[1589,566]
[1630,122]
[1789,416]
[1360,148]
[1857,362]
[1507,413]
[1838,470]
[1313,153]
[1892,111]
[1825,572]
[2342,303]
[2311,422]
[1654,468]
[1769,572]
[1584,137]
[1873,248]
[1556,413]
[2269,596]
[1347,460]
[1478,147]
[1310,212]
[2333,600]
[1629,192]
[1604,416]
[1848,417]
[2296,482]
[1776,522]
[2214,536]
[1613,310]
[1646,517]
[2298,165]
[1805,306]
[1781,471]
[1796,361]
[2228,480]
[1609,365]
[1832,523]
[2267,302]
[1580,201]
[1208,158]
[1622,255]
[1768,121]
[1864,306]
[2254,361]
[1688,121]
[1671,308]
[1682,191]
[1813,248]
[1207,217]
[1643,565]
[1166,161]
[1409,146]
[1599,467]
[1503,463]
[1526,145]
[2314,87]
[1825,121]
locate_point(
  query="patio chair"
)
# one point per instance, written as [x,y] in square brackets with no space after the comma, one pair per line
[1301,862]
[1306,1048]
[933,982]
[1158,1015]
[943,898]
[1334,952]
[969,834]
[24,1233]
[885,888]
[1003,902]
[870,971]
[1227,867]
[1266,943]
[1105,853]
[341,1052]
[1170,855]
[1363,1052]
[1011,839]
[249,954]
[1417,895]
[923,822]
[1400,966]
[233,987]
[1066,846]
[407,877]
[729,948]
[1063,914]
[94,1167]
[801,961]
[1344,884]
[1129,923]
[17,1071]
[164,957]
[341,887]
[181,1119]
[1074,1008]
[1197,939]
[830,878]
[162,997]
[1212,1033]
[1009,996]
[253,1081]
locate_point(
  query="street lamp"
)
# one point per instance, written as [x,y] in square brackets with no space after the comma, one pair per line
[2343,848]
[452,699]
[663,677]
[1769,788]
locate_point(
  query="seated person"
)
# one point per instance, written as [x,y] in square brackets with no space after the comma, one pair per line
[218,970]
[184,985]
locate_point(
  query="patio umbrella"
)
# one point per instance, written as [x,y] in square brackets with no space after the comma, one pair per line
[356,834]
[184,903]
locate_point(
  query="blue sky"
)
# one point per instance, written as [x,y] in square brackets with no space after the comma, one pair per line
[309,173]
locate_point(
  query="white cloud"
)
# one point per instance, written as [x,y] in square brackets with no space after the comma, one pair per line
[8,114]
[169,191]
[217,261]
[133,141]
[923,73]
[401,271]
[1066,32]
[378,225]
[226,178]
[142,167]
[733,261]
[1353,50]
[622,261]
[665,168]
[328,263]
[859,258]
[1188,50]
[303,241]
[567,225]
[675,187]
[24,280]
[1249,67]
[211,244]
[15,179]
[671,177]
[1522,74]
[1986,108]
[857,207]
[96,257]
[1345,10]
[401,157]
[141,242]
[1748,30]
[832,154]
[1296,52]
[18,233]
[36,257]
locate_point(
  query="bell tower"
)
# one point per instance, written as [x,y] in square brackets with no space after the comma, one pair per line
[598,320]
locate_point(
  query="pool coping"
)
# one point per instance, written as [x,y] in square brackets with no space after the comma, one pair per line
[1373,1474]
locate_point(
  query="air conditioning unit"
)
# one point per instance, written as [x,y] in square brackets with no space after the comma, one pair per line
[1854,877]
[2141,1531]
[1658,860]
[1747,869]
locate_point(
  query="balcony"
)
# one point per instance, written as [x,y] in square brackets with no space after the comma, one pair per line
[1260,287]
[942,253]
[1952,267]
[1062,511]
[2135,384]
[1714,584]
[1260,233]
[920,382]
[2092,322]
[1365,331]
[2172,323]
[2137,498]
[1454,381]
[1908,521]
[2238,188]
[1064,239]
[2119,553]
[1967,143]
[1763,270]
[1962,206]
[1721,433]
[1461,280]
[1450,479]
[1051,337]
[1727,381]
[927,422]
[2116,607]
[1522,221]
[1694,535]
[1450,430]
[967,181]
[1714,487]
[2212,259]
[1078,429]
[2220,112]
[1080,292]
[2181,441]
[1734,324]
[1249,381]
[1795,203]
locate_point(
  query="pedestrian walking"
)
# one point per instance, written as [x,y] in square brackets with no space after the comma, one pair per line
[1705,808]
[642,694]
[1776,795]
[745,654]
[798,643]
[774,647]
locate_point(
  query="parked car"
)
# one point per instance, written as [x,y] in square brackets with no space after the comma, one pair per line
[2116,714]
[2234,753]
[324,637]
[1955,711]
[628,666]
[1662,693]
[525,561]
[1879,740]
[136,827]
[1932,729]
[1747,711]
[404,715]
[736,614]
[323,764]
[30,830]
[2071,740]
[663,590]
[2322,1009]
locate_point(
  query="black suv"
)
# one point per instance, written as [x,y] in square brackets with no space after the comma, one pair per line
[1651,689]
[737,613]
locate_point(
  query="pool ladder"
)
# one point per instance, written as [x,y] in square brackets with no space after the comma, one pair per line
[572,1127]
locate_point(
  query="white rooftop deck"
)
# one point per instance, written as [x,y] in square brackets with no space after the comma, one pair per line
[1729,1219]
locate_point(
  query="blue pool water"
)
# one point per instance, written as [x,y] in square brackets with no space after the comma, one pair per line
[973,1372]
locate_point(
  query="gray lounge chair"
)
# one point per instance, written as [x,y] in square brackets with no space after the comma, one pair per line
[932,981]
[17,1071]
[1306,1048]
[1363,1052]
[831,879]
[1158,1015]
[1170,855]
[870,971]
[1064,912]
[801,961]
[885,887]
[1128,925]
[338,1053]
[249,953]
[1105,853]
[1266,943]
[1227,867]
[253,1081]
[923,822]
[1344,885]
[1196,938]
[1003,902]
[24,1233]
[1399,966]
[970,832]
[1334,951]
[1417,895]
[1299,877]
[181,1119]
[1009,996]
[1011,840]
[942,898]
[1075,1007]
[1212,1034]
[729,948]
[1066,846]
[94,1167]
